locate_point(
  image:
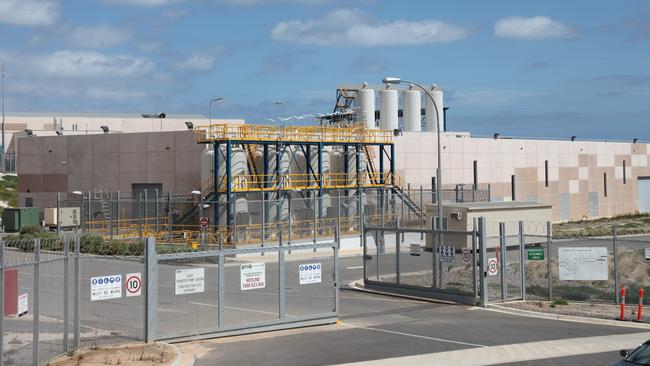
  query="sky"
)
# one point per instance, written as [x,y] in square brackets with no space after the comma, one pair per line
[551,68]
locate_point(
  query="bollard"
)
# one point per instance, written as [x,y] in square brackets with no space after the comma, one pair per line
[640,309]
[622,303]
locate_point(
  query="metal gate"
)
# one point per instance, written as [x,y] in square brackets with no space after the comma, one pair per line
[427,263]
[243,290]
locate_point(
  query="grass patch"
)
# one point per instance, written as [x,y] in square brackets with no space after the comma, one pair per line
[8,185]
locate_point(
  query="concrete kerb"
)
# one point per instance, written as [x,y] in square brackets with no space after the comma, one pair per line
[566,318]
[358,286]
[182,359]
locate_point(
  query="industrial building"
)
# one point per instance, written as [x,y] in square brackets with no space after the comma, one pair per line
[363,160]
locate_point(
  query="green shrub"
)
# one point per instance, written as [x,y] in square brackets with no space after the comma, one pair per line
[32,229]
[559,302]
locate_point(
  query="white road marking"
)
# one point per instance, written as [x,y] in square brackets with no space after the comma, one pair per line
[234,308]
[355,267]
[518,352]
[171,311]
[414,336]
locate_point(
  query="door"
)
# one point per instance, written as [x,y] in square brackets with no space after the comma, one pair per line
[643,194]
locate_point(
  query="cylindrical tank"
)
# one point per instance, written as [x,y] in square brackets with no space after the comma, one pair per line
[366,106]
[412,106]
[388,109]
[429,111]
[326,203]
[207,164]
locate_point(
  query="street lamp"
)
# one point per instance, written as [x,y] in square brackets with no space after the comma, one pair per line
[280,103]
[390,80]
[219,99]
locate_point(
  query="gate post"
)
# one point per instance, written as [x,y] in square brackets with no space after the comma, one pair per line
[474,258]
[504,278]
[77,294]
[66,255]
[522,260]
[549,267]
[37,260]
[336,270]
[222,291]
[482,258]
[151,290]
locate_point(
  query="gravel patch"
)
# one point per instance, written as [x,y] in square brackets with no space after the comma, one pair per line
[601,311]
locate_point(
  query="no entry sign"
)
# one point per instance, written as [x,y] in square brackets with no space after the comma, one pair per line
[133,284]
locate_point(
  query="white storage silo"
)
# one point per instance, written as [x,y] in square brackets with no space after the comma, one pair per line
[388,109]
[207,164]
[429,111]
[366,106]
[412,106]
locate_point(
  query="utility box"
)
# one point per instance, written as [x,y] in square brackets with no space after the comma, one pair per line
[70,217]
[15,219]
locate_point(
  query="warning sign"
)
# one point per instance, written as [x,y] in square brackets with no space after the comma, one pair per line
[447,253]
[133,284]
[493,267]
[23,305]
[106,287]
[253,276]
[309,273]
[204,223]
[467,255]
[189,281]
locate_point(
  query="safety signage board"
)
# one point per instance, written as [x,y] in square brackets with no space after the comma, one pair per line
[583,263]
[189,281]
[416,249]
[204,223]
[106,287]
[252,276]
[133,284]
[467,255]
[447,253]
[23,305]
[536,254]
[493,267]
[647,253]
[309,273]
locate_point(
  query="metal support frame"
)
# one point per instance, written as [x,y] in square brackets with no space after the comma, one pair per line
[215,182]
[549,267]
[151,291]
[502,261]
[522,260]
[228,183]
[617,289]
[35,296]
[482,243]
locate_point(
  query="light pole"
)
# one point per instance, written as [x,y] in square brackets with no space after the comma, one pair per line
[280,103]
[389,80]
[219,99]
[3,115]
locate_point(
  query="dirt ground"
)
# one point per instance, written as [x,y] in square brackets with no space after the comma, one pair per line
[602,311]
[132,355]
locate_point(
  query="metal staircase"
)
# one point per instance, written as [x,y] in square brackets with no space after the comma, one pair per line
[398,186]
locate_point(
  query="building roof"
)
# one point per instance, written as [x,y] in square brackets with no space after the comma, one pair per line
[497,205]
[100,115]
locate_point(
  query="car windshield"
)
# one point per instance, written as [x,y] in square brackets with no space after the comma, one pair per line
[640,355]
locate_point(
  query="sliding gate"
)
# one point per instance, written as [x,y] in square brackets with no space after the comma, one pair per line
[441,265]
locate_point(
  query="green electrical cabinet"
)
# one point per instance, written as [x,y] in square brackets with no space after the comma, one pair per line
[15,219]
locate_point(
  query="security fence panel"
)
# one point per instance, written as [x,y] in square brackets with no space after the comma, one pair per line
[310,286]
[188,303]
[370,257]
[421,262]
[252,288]
[415,261]
[633,265]
[18,328]
[536,260]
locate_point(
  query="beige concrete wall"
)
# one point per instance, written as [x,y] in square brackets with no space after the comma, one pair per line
[575,168]
[112,162]
[88,124]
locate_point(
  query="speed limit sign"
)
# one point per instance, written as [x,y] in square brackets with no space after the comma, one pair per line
[493,267]
[133,284]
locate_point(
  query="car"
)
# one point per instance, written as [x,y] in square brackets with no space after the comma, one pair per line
[638,356]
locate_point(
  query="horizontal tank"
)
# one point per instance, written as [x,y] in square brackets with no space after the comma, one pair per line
[412,106]
[366,106]
[388,118]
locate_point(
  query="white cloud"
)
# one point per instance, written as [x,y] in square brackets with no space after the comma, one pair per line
[196,63]
[86,64]
[99,36]
[114,94]
[29,12]
[350,27]
[143,2]
[533,28]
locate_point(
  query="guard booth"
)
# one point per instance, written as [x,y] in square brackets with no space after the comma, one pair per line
[449,265]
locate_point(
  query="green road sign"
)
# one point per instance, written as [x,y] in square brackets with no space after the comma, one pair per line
[536,254]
